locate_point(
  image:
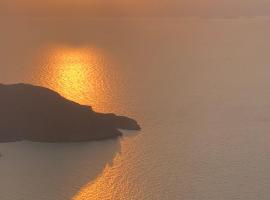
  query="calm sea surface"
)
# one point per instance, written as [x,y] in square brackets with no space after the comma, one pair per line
[200,89]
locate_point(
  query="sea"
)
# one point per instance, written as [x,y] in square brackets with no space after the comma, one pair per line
[199,88]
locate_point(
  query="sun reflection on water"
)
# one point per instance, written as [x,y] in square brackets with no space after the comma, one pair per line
[82,75]
[79,74]
[107,185]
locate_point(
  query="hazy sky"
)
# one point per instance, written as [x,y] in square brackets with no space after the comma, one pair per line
[151,8]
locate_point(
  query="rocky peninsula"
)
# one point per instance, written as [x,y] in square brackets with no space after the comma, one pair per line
[38,114]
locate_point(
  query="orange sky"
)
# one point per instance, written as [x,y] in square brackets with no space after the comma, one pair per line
[216,8]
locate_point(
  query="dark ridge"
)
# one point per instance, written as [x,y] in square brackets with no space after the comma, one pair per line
[39,114]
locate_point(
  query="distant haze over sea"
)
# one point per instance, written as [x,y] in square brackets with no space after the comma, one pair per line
[137,8]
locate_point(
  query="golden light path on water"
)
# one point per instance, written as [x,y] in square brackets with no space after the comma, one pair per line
[82,75]
[107,185]
[78,74]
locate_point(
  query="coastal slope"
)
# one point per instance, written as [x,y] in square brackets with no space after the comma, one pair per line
[39,114]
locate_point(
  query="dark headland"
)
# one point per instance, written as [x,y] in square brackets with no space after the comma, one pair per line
[39,114]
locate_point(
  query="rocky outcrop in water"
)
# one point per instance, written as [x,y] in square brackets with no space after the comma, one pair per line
[39,114]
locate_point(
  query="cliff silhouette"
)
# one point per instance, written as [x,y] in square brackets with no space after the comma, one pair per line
[39,114]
